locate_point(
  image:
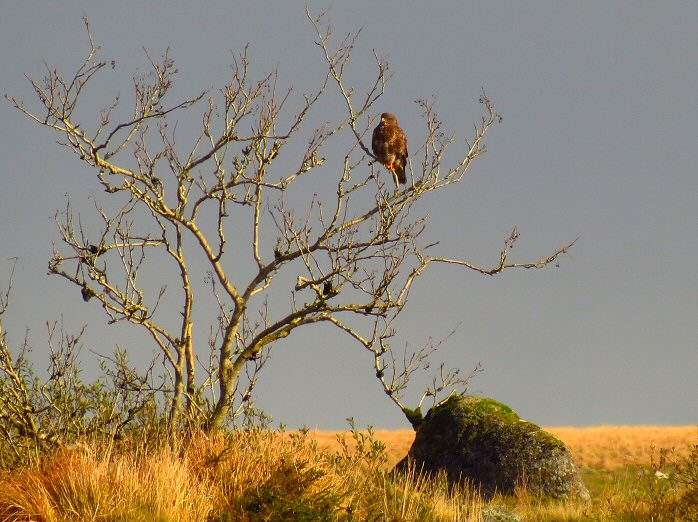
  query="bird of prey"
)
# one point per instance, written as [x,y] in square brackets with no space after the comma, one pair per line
[390,146]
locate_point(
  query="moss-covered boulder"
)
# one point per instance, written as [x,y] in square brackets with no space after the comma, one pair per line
[485,442]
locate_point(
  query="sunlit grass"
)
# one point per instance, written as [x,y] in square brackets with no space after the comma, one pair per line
[613,447]
[279,476]
[92,484]
[246,476]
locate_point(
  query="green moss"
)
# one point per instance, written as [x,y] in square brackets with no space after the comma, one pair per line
[476,407]
[492,407]
[414,416]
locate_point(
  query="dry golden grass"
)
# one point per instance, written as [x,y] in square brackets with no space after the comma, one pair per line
[246,476]
[92,484]
[613,447]
[598,447]
[261,475]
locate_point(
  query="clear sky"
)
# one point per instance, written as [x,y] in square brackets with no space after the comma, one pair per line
[599,141]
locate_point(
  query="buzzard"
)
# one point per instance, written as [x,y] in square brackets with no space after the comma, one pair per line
[390,146]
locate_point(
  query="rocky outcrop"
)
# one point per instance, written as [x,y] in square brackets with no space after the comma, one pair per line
[485,442]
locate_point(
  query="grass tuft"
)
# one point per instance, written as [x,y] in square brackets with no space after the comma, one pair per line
[244,476]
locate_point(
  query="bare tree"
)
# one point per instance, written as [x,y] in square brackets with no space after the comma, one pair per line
[227,198]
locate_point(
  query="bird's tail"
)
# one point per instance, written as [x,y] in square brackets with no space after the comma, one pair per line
[400,172]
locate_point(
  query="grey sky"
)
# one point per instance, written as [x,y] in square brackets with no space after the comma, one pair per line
[599,141]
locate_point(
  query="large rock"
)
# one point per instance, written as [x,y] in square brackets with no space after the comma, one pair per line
[486,442]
